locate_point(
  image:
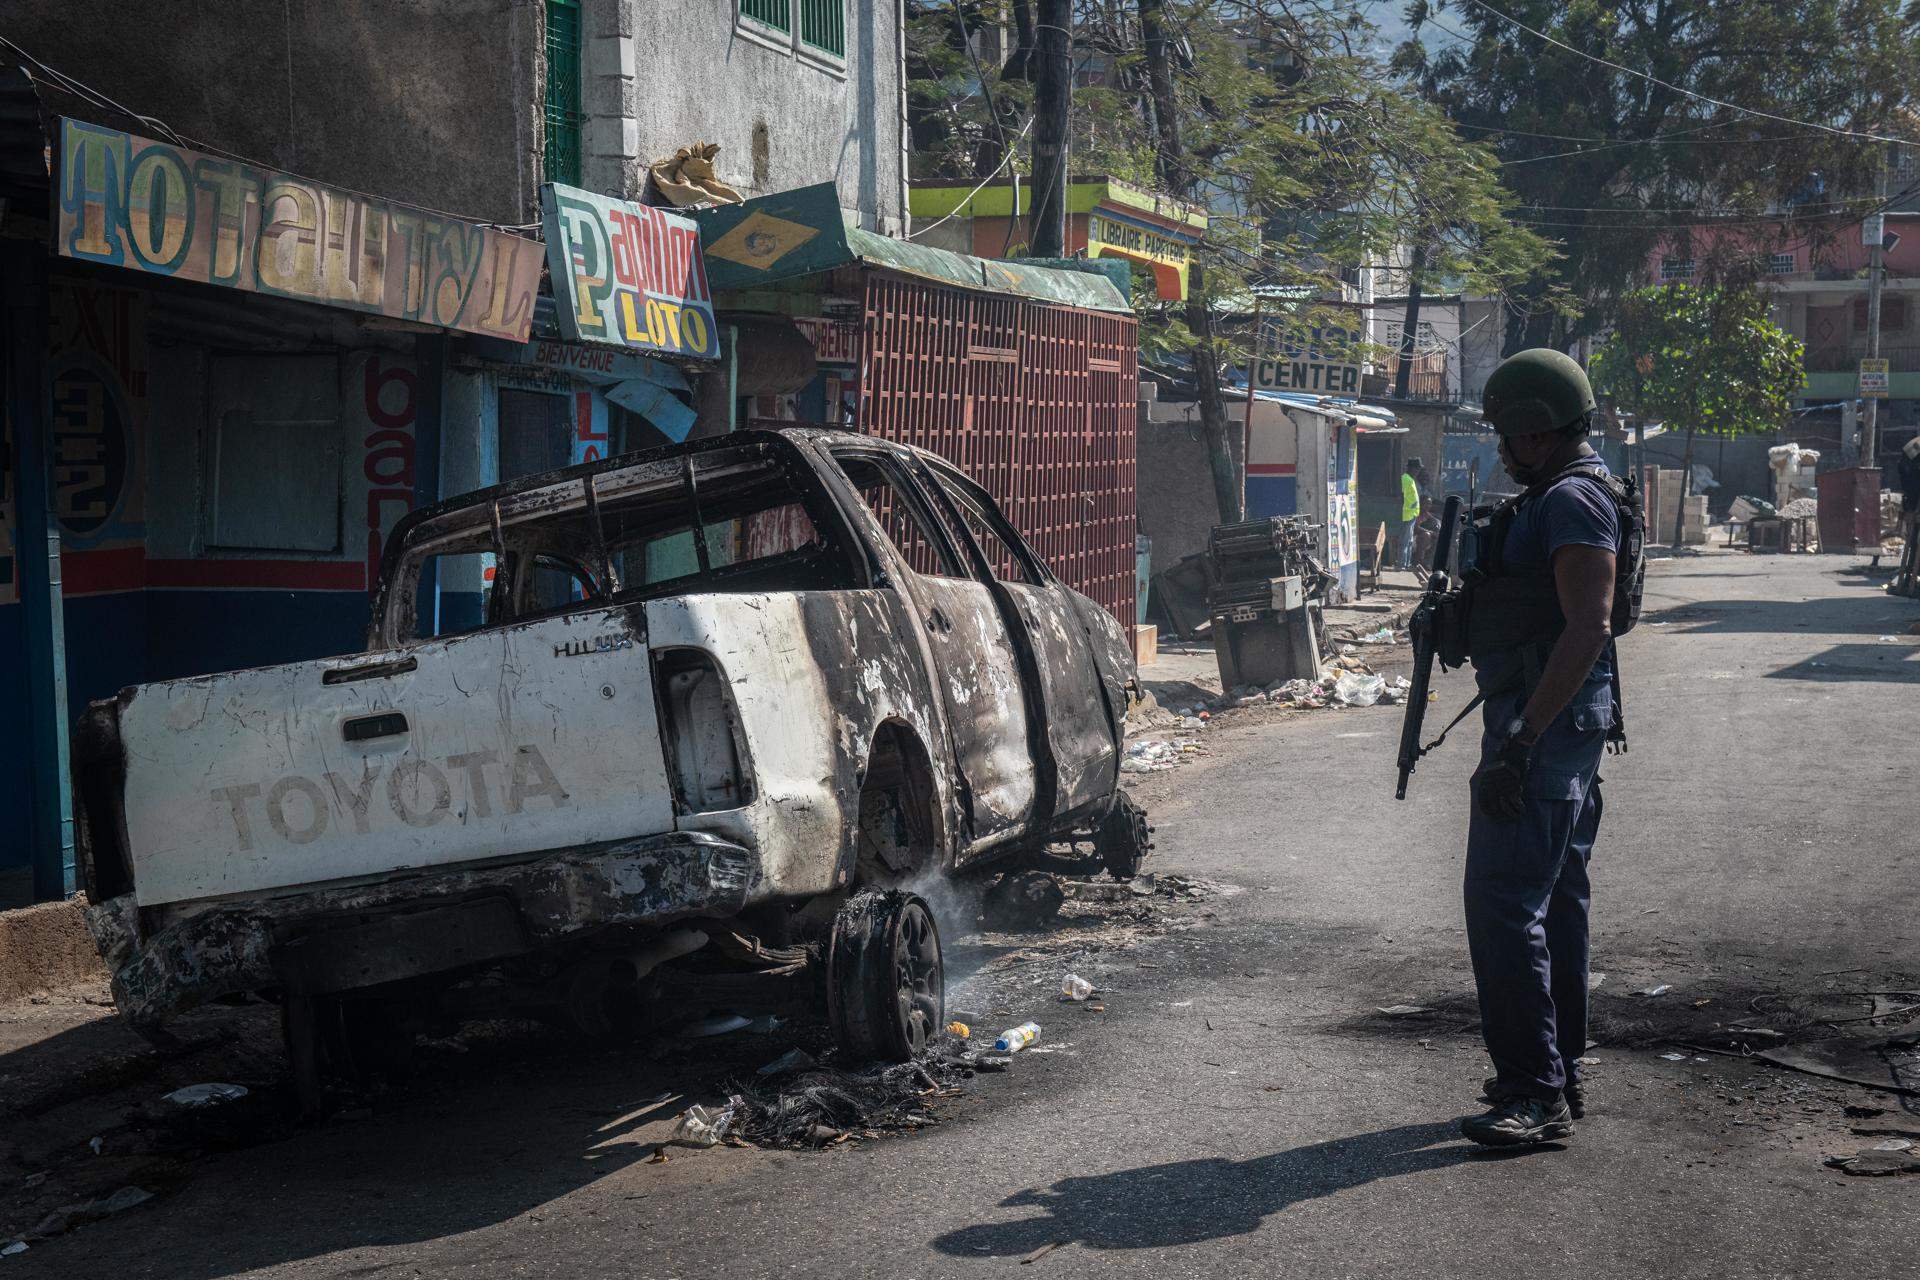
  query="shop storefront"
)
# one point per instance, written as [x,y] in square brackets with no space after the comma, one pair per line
[231,379]
[1106,218]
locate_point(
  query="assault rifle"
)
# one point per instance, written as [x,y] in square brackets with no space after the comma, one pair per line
[1422,629]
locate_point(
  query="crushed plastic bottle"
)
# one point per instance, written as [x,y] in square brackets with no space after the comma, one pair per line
[1075,988]
[698,1127]
[960,1029]
[1014,1039]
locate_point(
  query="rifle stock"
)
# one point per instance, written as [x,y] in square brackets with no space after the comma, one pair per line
[1421,628]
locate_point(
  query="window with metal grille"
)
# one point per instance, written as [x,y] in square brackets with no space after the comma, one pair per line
[1676,268]
[564,116]
[777,14]
[1780,264]
[823,26]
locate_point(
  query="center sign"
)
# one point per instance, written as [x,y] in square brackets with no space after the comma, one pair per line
[627,274]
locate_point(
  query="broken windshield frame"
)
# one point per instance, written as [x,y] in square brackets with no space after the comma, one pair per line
[742,518]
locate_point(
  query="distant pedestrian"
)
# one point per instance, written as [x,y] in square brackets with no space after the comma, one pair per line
[1414,499]
[1907,582]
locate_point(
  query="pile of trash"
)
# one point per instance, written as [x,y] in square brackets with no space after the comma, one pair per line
[1343,682]
[1157,755]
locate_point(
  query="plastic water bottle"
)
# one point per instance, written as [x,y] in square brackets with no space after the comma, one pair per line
[1075,988]
[1017,1038]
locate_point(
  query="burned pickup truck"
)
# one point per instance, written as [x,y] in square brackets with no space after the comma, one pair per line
[637,740]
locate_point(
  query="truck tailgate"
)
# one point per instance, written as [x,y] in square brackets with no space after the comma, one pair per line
[478,747]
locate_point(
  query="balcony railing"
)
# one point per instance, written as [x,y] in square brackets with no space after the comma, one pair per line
[1426,381]
[1847,358]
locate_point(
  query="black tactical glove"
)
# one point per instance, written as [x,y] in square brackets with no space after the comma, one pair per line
[1503,784]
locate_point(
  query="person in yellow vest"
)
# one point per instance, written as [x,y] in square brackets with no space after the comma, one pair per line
[1413,497]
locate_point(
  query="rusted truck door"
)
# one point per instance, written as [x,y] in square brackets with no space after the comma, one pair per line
[1081,726]
[976,665]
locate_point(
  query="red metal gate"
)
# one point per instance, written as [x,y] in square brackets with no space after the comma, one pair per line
[1037,402]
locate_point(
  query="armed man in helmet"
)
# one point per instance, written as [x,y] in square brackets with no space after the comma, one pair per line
[1538,626]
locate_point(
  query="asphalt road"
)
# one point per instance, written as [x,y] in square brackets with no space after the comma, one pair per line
[1240,1108]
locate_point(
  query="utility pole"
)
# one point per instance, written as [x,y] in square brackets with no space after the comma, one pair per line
[1876,252]
[1410,327]
[1176,178]
[1052,96]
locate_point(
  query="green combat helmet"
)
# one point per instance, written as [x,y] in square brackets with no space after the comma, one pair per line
[1536,390]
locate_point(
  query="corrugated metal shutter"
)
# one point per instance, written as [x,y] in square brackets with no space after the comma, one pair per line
[1038,403]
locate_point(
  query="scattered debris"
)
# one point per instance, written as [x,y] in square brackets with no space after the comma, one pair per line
[791,1060]
[1354,690]
[1023,900]
[18,1246]
[1660,990]
[1674,1057]
[1403,1010]
[828,1104]
[1014,1039]
[1883,1131]
[698,1127]
[1075,988]
[1041,1252]
[959,1030]
[1873,1163]
[1155,755]
[69,1216]
[195,1096]
[718,1024]
[1854,1059]
[1894,1144]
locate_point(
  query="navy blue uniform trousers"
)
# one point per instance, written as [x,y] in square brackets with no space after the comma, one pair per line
[1527,896]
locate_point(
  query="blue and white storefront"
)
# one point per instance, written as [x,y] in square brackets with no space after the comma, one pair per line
[1302,460]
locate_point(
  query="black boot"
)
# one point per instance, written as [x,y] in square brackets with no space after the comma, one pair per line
[1520,1122]
[1575,1093]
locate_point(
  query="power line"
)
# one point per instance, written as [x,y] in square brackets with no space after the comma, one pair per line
[1837,207]
[1701,97]
[1655,139]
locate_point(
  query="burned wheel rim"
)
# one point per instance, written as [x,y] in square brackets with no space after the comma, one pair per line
[919,983]
[886,985]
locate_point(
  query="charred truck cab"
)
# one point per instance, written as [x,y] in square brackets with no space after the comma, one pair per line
[643,737]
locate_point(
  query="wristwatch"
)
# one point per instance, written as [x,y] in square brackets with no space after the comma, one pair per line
[1519,731]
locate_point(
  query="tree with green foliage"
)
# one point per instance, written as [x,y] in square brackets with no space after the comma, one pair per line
[1278,116]
[1620,125]
[1707,359]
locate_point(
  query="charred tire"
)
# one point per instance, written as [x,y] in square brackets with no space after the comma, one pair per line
[1124,838]
[886,987]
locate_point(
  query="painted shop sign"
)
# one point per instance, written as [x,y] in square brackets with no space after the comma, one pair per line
[148,206]
[627,274]
[834,341]
[1319,360]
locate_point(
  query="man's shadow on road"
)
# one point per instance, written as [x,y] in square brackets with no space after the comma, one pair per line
[1190,1201]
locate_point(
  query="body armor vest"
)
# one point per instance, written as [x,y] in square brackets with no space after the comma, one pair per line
[1499,608]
